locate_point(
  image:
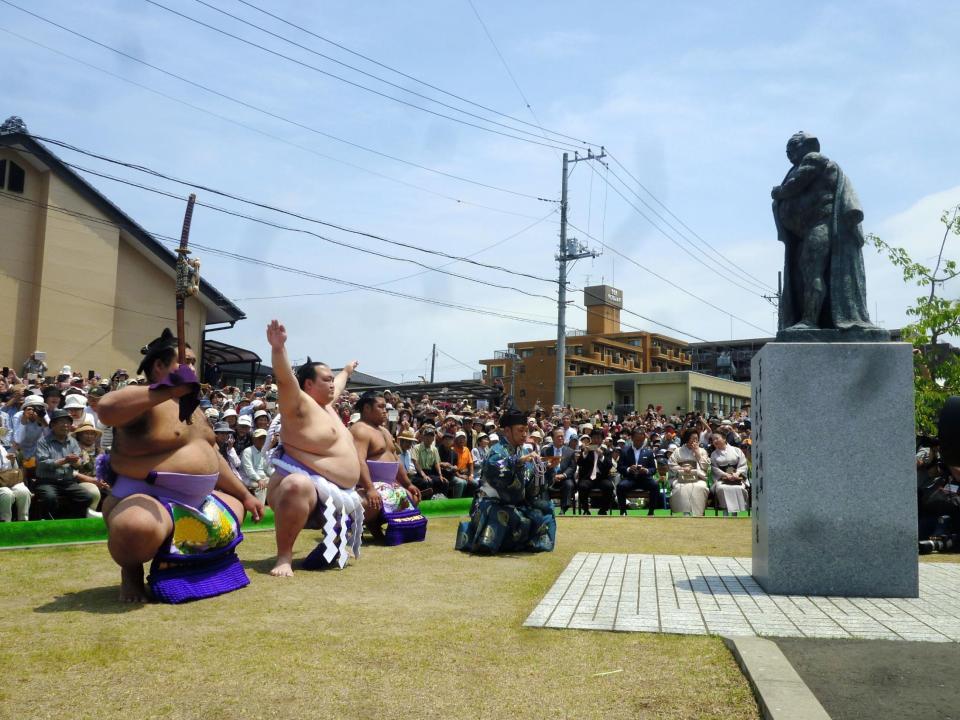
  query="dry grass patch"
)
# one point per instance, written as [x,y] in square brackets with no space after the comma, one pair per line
[418,631]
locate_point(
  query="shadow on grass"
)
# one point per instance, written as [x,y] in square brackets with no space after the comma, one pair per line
[99,601]
[262,567]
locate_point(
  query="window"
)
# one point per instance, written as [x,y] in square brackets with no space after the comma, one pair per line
[521,368]
[3,173]
[496,371]
[15,178]
[523,392]
[551,351]
[573,368]
[526,353]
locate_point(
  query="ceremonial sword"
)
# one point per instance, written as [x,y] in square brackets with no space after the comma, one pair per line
[188,280]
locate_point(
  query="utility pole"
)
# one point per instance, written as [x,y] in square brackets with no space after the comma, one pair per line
[772,299]
[433,360]
[569,251]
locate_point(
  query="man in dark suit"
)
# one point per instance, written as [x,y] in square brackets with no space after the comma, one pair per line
[637,468]
[594,472]
[560,473]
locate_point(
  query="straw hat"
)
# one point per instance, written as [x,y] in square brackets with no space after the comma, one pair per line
[86,426]
[407,434]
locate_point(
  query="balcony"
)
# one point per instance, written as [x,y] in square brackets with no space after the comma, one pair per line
[505,355]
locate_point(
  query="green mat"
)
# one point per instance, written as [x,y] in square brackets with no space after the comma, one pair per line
[51,532]
[54,532]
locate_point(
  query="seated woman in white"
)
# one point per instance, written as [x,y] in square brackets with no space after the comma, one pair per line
[688,475]
[16,495]
[729,475]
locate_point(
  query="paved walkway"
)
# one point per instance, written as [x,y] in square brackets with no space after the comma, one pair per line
[714,595]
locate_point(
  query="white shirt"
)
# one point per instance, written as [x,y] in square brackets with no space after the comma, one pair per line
[254,468]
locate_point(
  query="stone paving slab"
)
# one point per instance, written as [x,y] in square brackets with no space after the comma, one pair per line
[717,596]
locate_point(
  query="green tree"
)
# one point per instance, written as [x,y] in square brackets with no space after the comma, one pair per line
[937,371]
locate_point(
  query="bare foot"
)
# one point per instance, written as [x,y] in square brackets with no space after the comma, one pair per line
[284,566]
[131,585]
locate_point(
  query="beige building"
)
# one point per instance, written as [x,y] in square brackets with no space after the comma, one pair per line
[529,367]
[690,391]
[79,279]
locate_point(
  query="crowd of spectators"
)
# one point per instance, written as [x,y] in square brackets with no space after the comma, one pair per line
[51,436]
[683,460]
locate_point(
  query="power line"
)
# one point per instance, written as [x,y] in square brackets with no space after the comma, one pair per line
[268,223]
[424,272]
[489,312]
[274,115]
[642,317]
[289,296]
[360,86]
[299,271]
[503,61]
[468,367]
[664,279]
[358,70]
[84,298]
[262,205]
[411,77]
[304,148]
[671,238]
[427,268]
[286,228]
[708,245]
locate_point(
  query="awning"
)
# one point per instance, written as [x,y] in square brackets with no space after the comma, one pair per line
[221,353]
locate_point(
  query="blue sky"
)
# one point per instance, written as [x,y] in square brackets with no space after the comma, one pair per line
[697,100]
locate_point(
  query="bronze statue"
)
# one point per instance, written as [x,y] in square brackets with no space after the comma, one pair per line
[818,216]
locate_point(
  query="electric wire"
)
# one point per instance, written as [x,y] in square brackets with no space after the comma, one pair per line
[85,298]
[424,272]
[411,77]
[327,239]
[286,228]
[676,242]
[643,317]
[274,115]
[362,72]
[327,73]
[285,141]
[669,282]
[173,241]
[299,271]
[708,245]
[503,60]
[265,206]
[468,367]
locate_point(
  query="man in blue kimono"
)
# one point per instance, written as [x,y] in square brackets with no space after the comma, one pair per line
[511,513]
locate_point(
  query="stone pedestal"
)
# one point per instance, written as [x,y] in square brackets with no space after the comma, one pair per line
[834,489]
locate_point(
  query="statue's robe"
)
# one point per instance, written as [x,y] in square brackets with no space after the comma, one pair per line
[845,303]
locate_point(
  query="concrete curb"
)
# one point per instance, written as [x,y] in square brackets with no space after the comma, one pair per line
[780,692]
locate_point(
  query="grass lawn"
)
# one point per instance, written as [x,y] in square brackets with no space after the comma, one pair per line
[418,631]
